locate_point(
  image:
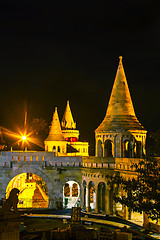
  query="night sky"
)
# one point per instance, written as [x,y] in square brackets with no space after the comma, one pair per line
[64,50]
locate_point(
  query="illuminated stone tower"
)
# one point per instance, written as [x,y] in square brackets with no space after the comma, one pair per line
[120,134]
[71,134]
[65,141]
[55,140]
[69,126]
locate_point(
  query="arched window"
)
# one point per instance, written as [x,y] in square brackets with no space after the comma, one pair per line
[66,190]
[108,149]
[101,196]
[99,149]
[54,148]
[137,149]
[127,149]
[75,190]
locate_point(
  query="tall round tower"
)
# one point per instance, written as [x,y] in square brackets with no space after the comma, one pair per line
[120,134]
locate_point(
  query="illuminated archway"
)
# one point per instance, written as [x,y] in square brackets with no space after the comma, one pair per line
[137,149]
[108,148]
[33,190]
[127,149]
[71,194]
[91,196]
[101,197]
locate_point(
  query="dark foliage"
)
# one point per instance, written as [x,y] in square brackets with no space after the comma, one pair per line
[141,193]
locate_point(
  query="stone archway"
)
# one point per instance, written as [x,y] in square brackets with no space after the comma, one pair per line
[108,148]
[29,168]
[71,194]
[127,149]
[101,197]
[91,196]
[138,149]
[33,190]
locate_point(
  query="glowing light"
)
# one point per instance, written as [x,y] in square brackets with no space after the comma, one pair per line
[24,138]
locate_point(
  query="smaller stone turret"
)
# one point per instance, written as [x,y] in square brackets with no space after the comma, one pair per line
[55,140]
[65,141]
[67,120]
[69,126]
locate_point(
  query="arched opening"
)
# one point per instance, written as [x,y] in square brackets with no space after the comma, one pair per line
[84,194]
[137,149]
[91,196]
[58,149]
[54,148]
[101,197]
[99,149]
[108,149]
[127,149]
[33,190]
[71,194]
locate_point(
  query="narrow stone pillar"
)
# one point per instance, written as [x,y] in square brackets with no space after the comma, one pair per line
[102,150]
[113,144]
[145,220]
[107,202]
[120,148]
[96,148]
[133,146]
[83,195]
[96,199]
[87,198]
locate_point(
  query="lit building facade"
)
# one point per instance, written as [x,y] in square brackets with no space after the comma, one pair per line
[119,143]
[74,178]
[63,139]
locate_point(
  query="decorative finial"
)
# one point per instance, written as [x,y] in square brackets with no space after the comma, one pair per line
[55,108]
[67,101]
[120,58]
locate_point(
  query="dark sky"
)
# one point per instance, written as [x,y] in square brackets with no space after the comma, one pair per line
[64,50]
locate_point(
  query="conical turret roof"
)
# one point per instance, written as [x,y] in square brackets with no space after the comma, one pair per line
[120,113]
[55,133]
[67,120]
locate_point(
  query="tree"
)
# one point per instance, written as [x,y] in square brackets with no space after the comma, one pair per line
[153,143]
[141,193]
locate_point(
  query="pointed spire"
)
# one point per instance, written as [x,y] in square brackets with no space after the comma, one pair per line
[120,112]
[67,120]
[120,101]
[55,133]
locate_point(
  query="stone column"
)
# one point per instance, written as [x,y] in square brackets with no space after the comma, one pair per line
[96,148]
[120,150]
[107,202]
[87,198]
[102,150]
[133,145]
[96,199]
[113,145]
[83,195]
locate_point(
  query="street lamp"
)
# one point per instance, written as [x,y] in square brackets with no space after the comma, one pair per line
[24,138]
